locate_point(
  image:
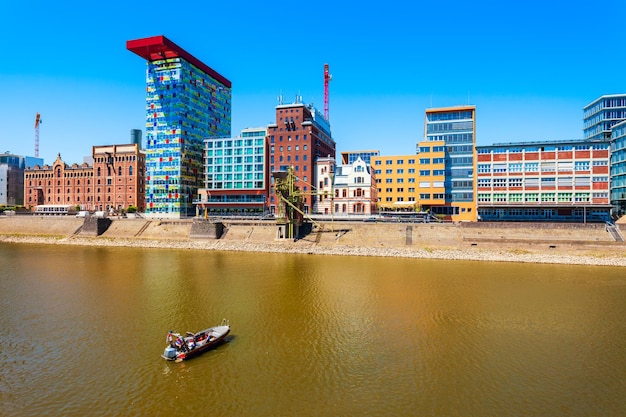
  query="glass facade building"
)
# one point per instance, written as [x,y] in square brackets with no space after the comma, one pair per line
[618,168]
[447,161]
[235,173]
[348,158]
[186,101]
[602,114]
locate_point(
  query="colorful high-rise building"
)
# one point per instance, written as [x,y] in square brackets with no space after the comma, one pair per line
[186,101]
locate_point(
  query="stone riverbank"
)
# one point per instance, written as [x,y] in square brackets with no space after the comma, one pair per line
[553,244]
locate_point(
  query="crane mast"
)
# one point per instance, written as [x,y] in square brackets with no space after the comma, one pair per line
[327,78]
[37,123]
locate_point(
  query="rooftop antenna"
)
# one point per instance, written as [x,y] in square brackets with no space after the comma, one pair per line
[280,98]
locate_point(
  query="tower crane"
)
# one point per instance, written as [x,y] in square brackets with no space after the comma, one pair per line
[37,123]
[327,78]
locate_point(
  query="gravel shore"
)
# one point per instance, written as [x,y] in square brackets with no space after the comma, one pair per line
[468,254]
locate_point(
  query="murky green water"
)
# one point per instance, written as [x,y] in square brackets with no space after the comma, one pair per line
[83,329]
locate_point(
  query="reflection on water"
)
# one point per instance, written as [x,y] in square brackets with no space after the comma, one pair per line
[83,330]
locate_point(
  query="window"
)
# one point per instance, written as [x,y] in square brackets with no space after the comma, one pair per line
[499,167]
[484,168]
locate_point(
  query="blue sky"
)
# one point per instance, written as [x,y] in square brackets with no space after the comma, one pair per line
[528,67]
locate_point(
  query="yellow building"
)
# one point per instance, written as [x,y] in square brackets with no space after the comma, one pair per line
[397,182]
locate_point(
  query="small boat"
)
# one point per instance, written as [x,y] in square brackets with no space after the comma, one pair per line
[180,348]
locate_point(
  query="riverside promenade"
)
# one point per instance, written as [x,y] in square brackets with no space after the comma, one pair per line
[554,243]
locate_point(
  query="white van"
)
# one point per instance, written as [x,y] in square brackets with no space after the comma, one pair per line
[82,214]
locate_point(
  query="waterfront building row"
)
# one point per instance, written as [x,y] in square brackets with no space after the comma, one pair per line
[191,158]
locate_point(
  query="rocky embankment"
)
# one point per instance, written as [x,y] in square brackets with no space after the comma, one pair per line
[554,244]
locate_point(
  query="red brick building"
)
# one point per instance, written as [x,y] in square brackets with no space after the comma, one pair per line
[299,137]
[115,181]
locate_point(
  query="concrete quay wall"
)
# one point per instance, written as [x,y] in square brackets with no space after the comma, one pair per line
[521,242]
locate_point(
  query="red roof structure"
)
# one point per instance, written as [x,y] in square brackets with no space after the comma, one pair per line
[159,47]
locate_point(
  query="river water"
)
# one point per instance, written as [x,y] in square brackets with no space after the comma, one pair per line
[83,328]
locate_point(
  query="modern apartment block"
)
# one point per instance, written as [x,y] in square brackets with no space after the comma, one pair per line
[115,181]
[344,190]
[548,181]
[396,179]
[12,178]
[299,137]
[602,114]
[235,174]
[186,101]
[351,156]
[447,163]
[618,168]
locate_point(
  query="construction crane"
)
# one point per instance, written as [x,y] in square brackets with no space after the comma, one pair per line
[327,78]
[37,123]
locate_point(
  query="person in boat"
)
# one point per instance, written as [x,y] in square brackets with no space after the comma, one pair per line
[178,344]
[191,344]
[170,338]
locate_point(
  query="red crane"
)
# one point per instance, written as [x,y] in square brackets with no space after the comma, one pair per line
[37,123]
[327,78]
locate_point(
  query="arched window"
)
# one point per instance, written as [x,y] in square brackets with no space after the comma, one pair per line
[108,171]
[119,171]
[130,170]
[99,173]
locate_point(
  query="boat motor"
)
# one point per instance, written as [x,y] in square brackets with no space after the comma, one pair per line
[169,353]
